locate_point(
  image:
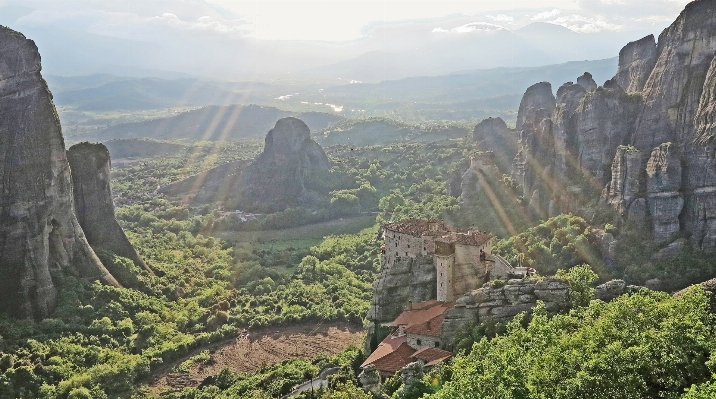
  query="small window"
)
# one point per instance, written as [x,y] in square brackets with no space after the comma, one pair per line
[408,245]
[406,254]
[396,245]
[419,342]
[437,344]
[425,248]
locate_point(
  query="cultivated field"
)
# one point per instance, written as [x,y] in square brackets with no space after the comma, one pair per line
[265,347]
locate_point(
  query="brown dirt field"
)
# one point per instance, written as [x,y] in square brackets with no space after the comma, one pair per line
[264,347]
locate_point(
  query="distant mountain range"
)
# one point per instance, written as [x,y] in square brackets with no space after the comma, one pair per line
[211,123]
[103,92]
[531,46]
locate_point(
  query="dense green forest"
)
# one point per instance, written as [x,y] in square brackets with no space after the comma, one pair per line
[105,342]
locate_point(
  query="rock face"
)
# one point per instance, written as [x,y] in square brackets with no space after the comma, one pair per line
[663,182]
[587,81]
[409,280]
[647,136]
[636,61]
[277,178]
[39,233]
[625,182]
[569,96]
[537,103]
[488,128]
[502,303]
[475,177]
[604,120]
[706,114]
[90,166]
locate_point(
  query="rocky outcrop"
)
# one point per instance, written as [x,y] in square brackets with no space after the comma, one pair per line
[370,380]
[636,61]
[475,177]
[537,103]
[626,179]
[706,114]
[569,96]
[613,289]
[408,280]
[493,135]
[661,94]
[277,178]
[665,201]
[39,233]
[587,81]
[604,120]
[489,128]
[503,302]
[90,166]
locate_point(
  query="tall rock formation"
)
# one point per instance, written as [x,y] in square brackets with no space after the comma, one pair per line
[647,136]
[636,61]
[663,183]
[706,114]
[536,139]
[587,81]
[604,120]
[39,233]
[90,165]
[278,177]
[493,135]
[569,96]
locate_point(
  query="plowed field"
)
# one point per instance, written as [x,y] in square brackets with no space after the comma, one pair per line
[265,347]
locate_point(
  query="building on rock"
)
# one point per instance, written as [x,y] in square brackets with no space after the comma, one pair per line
[428,259]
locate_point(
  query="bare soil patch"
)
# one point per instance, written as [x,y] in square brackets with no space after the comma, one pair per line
[263,347]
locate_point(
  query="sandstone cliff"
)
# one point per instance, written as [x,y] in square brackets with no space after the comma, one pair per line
[503,302]
[39,233]
[706,114]
[636,61]
[646,137]
[90,166]
[277,178]
[409,280]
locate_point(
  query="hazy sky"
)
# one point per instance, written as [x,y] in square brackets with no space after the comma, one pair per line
[201,36]
[334,20]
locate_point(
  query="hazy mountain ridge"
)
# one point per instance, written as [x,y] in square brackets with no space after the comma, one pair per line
[211,123]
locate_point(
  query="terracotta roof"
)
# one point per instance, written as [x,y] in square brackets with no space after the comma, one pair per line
[419,227]
[421,312]
[432,327]
[431,356]
[475,237]
[391,355]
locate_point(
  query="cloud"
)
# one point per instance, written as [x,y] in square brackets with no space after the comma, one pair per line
[470,27]
[582,24]
[500,18]
[546,14]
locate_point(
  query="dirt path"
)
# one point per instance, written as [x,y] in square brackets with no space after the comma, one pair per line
[265,347]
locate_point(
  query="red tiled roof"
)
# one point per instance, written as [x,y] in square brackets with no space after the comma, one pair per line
[432,327]
[419,227]
[421,312]
[431,356]
[475,237]
[391,355]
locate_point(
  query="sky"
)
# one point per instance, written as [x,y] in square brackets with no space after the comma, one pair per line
[248,34]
